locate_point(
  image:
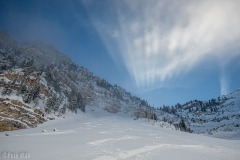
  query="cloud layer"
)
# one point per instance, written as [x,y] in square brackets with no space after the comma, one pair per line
[159,39]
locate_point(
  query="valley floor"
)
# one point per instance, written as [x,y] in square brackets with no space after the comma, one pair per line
[94,136]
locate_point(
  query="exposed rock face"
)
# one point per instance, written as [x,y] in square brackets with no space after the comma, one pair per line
[15,115]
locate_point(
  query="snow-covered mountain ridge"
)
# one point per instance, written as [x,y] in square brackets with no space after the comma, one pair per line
[38,83]
[40,78]
[210,117]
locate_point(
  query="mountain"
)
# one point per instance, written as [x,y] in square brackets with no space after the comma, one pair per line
[213,117]
[38,83]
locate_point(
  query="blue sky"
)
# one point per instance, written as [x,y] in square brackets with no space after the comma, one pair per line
[160,50]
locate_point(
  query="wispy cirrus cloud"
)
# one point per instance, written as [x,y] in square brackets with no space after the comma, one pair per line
[159,39]
[224,85]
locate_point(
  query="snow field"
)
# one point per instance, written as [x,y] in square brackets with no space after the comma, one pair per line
[103,136]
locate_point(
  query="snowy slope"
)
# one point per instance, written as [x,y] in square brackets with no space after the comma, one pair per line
[40,77]
[218,117]
[224,117]
[103,136]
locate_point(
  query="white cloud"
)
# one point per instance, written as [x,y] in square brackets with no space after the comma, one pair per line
[159,39]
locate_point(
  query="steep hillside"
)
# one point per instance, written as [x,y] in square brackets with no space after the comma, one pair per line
[40,81]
